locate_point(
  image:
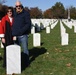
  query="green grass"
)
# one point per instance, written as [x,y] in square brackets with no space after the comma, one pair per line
[50,58]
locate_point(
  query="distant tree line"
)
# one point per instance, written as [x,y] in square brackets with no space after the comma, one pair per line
[3,9]
[58,11]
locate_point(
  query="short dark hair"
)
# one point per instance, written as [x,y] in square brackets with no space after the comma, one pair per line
[10,8]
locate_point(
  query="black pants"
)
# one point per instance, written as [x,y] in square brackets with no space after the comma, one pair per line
[4,56]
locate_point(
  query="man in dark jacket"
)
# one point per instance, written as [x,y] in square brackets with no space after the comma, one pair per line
[21,28]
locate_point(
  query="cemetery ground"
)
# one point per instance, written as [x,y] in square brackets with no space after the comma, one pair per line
[51,58]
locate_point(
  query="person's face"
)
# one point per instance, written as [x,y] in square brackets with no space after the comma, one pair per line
[18,8]
[9,13]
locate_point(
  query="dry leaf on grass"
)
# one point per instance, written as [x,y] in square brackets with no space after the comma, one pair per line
[68,65]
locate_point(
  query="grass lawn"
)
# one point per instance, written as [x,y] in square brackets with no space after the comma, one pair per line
[50,58]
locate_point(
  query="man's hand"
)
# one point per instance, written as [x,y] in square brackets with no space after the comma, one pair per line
[14,38]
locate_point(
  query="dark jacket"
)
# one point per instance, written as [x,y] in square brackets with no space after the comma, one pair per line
[8,34]
[21,24]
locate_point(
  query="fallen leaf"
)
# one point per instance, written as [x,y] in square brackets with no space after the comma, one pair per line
[68,65]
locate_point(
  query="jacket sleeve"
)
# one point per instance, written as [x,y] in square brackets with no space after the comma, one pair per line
[1,30]
[27,26]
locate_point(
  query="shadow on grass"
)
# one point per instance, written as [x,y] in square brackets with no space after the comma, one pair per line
[24,61]
[33,53]
[42,43]
[0,58]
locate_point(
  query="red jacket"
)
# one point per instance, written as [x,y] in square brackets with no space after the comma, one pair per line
[3,23]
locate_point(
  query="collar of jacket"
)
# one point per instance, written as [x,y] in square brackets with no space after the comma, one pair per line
[20,11]
[7,19]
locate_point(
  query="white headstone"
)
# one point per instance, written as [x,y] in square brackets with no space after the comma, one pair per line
[47,29]
[74,29]
[2,45]
[64,39]
[36,39]
[54,24]
[32,30]
[74,24]
[62,29]
[13,59]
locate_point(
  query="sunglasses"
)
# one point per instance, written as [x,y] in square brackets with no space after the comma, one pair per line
[18,6]
[9,11]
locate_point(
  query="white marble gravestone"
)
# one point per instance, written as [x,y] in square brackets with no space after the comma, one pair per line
[36,39]
[2,45]
[62,29]
[54,24]
[70,24]
[32,30]
[74,29]
[13,59]
[47,29]
[64,39]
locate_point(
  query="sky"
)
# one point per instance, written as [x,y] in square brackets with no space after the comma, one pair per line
[42,4]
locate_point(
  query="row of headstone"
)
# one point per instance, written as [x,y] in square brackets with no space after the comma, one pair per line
[54,24]
[46,24]
[48,29]
[37,36]
[70,24]
[43,23]
[64,35]
[67,23]
[74,24]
